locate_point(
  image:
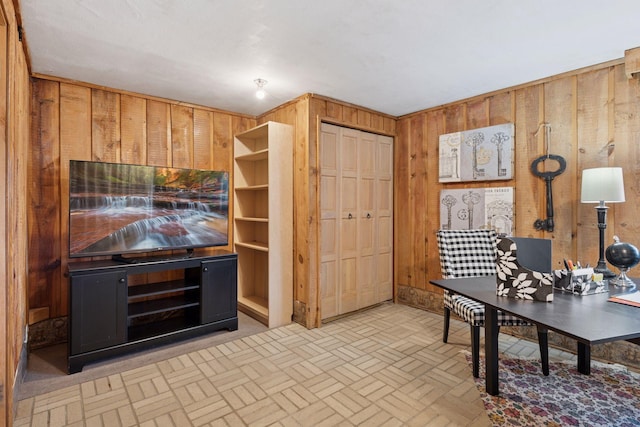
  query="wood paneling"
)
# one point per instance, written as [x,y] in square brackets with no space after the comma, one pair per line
[44,212]
[75,129]
[105,126]
[158,133]
[14,163]
[203,139]
[403,266]
[434,121]
[626,146]
[594,119]
[593,138]
[182,136]
[530,196]
[133,125]
[73,121]
[418,200]
[560,112]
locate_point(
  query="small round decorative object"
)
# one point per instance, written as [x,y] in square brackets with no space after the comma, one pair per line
[624,256]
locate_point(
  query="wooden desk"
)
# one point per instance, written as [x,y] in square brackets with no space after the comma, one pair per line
[589,319]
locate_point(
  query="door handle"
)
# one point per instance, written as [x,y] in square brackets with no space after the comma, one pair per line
[368,215]
[350,216]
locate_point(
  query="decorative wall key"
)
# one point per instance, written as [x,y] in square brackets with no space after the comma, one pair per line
[547,224]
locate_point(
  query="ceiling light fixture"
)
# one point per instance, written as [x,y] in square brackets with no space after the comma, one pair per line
[260,93]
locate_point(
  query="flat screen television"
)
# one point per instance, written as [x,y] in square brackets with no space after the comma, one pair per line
[117,209]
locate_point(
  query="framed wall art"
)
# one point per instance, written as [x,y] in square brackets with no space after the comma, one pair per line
[477,208]
[484,154]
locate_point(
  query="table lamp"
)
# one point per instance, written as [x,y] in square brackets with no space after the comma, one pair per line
[600,185]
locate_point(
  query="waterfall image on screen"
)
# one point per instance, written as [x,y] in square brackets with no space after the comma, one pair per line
[118,208]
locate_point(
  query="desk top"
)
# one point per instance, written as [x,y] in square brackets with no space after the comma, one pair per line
[590,319]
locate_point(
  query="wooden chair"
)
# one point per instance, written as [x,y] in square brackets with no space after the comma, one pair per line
[472,253]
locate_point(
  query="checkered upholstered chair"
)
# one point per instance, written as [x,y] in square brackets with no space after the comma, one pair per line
[472,253]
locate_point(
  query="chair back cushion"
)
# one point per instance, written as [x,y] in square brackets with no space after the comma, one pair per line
[467,253]
[514,279]
[533,253]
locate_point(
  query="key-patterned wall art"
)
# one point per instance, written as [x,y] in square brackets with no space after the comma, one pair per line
[477,208]
[484,154]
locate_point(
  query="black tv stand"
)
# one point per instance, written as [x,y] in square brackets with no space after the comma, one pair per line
[112,314]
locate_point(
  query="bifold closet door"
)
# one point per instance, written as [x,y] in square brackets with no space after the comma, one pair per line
[356,219]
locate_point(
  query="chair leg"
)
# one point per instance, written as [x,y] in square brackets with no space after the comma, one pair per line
[543,342]
[475,350]
[445,330]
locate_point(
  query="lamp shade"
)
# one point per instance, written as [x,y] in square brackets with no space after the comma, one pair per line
[602,185]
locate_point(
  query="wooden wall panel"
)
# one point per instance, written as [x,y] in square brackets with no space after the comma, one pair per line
[15,156]
[501,108]
[431,217]
[133,130]
[592,151]
[222,144]
[202,139]
[182,136]
[455,118]
[72,121]
[306,210]
[418,201]
[16,116]
[75,144]
[159,133]
[403,266]
[529,197]
[44,197]
[105,127]
[477,114]
[560,113]
[626,147]
[8,332]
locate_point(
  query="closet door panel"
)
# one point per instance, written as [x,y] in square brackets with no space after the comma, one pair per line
[329,288]
[367,289]
[348,292]
[329,222]
[347,146]
[384,275]
[366,219]
[384,218]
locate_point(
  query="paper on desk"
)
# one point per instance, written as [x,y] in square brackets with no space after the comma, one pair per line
[632,298]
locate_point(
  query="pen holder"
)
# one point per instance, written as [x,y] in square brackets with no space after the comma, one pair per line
[578,282]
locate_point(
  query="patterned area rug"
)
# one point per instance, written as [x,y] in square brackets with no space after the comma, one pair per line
[610,396]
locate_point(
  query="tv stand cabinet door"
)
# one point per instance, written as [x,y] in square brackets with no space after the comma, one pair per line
[98,311]
[219,290]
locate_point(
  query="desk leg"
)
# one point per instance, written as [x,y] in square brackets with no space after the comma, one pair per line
[491,350]
[584,358]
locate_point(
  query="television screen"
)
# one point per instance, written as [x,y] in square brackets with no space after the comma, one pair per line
[116,209]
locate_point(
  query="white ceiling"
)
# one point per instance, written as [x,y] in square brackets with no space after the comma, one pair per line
[393,56]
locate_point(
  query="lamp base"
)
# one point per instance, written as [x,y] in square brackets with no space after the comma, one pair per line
[622,281]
